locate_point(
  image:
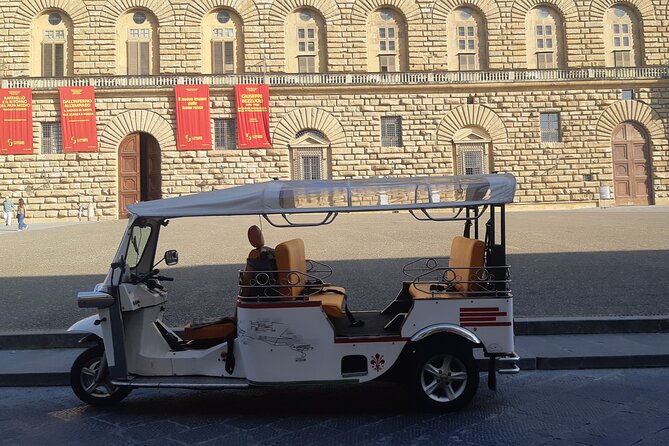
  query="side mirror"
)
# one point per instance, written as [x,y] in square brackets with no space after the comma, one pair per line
[171,257]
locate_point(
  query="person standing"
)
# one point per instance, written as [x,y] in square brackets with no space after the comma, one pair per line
[21,214]
[7,210]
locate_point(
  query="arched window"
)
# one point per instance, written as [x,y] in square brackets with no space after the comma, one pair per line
[469,50]
[622,37]
[52,45]
[138,43]
[387,48]
[306,42]
[545,38]
[223,44]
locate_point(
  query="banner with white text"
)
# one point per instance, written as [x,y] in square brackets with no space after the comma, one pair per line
[16,121]
[77,119]
[253,116]
[193,117]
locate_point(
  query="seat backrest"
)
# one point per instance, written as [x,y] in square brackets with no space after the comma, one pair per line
[291,263]
[467,256]
[257,256]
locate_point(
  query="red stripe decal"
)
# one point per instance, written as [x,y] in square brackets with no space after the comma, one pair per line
[482,314]
[486,324]
[368,340]
[477,319]
[479,309]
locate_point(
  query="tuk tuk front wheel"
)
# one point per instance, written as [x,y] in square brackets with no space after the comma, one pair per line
[83,379]
[445,380]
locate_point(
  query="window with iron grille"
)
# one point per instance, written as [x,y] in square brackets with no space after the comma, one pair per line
[550,127]
[391,131]
[471,159]
[52,139]
[308,164]
[225,134]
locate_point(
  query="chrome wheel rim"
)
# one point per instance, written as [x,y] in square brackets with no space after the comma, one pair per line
[87,376]
[443,378]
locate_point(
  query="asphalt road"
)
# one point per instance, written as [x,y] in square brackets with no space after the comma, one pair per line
[595,262]
[586,407]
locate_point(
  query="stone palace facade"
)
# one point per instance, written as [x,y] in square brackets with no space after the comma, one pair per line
[567,95]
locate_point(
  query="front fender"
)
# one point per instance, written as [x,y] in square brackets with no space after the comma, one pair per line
[87,326]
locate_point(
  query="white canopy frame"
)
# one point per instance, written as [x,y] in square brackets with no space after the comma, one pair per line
[331,197]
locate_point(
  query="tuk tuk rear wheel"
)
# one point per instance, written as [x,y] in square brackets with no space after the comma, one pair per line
[445,380]
[82,379]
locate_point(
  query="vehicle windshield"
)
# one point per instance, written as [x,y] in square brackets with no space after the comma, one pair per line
[138,240]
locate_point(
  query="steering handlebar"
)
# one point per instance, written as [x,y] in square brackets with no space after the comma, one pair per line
[151,279]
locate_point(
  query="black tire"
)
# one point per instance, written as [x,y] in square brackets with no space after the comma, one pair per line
[82,380]
[445,380]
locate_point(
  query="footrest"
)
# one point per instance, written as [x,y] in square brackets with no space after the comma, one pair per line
[508,364]
[511,371]
[221,328]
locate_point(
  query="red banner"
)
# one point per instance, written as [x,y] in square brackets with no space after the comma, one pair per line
[253,116]
[193,117]
[16,121]
[77,119]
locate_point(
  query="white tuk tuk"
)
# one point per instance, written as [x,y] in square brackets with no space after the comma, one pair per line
[291,326]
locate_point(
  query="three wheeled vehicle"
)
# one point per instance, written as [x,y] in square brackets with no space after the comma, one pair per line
[291,326]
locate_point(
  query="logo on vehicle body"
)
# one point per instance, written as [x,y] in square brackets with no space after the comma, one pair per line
[377,362]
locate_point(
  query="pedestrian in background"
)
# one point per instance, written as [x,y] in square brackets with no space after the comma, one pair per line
[7,210]
[21,214]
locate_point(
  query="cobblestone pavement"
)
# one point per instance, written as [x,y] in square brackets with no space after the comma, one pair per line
[585,407]
[564,263]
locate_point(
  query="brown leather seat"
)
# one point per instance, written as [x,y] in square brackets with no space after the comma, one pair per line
[291,267]
[467,256]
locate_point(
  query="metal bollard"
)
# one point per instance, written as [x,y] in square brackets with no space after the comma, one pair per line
[91,212]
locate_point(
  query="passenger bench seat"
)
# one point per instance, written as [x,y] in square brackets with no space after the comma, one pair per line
[290,256]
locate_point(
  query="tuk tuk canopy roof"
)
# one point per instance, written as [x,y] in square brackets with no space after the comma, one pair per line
[334,196]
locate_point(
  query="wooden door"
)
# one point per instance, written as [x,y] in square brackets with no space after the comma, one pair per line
[631,166]
[129,173]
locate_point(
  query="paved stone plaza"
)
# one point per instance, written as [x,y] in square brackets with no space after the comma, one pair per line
[585,407]
[564,263]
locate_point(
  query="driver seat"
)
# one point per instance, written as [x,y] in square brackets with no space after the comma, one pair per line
[261,258]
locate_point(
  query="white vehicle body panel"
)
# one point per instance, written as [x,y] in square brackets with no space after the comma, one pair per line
[298,341]
[490,319]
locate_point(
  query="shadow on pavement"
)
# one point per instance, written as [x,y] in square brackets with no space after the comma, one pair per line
[565,284]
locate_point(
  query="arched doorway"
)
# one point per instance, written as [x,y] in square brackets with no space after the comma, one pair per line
[631,165]
[139,177]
